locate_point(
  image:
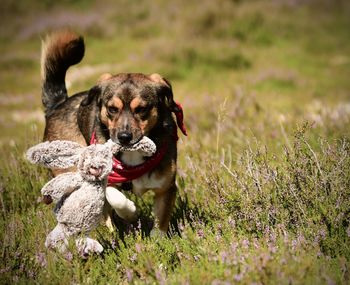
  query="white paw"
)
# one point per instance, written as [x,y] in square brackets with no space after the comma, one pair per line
[124,207]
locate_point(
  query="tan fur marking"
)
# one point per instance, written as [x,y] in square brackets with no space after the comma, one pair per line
[136,102]
[116,102]
[167,175]
[148,124]
[104,118]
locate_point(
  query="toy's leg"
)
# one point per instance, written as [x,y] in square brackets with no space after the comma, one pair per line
[87,245]
[163,207]
[125,208]
[56,239]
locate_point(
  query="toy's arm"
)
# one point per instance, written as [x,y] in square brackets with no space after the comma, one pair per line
[145,145]
[61,185]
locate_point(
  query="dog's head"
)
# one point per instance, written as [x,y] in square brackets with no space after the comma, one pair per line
[132,105]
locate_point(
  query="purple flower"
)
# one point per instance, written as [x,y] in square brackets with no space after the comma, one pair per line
[322,234]
[4,270]
[41,259]
[231,222]
[191,216]
[272,248]
[129,274]
[233,247]
[160,277]
[255,243]
[181,227]
[238,277]
[200,233]
[133,257]
[245,243]
[68,256]
[138,247]
[330,281]
[31,273]
[139,224]
[224,256]
[114,244]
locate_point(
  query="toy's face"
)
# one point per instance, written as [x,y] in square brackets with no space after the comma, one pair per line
[95,162]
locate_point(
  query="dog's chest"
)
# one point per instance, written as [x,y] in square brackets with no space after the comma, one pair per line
[146,181]
[132,158]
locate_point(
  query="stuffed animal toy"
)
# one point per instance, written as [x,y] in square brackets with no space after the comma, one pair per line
[80,196]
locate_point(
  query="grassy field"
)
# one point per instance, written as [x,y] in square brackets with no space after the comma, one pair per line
[264,175]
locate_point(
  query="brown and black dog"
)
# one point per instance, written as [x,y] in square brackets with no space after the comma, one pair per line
[123,107]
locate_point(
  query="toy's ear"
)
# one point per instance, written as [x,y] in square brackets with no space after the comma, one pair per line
[55,154]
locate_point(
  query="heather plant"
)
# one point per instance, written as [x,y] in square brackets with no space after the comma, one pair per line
[264,175]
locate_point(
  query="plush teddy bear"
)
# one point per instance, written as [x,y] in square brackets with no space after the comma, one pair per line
[80,196]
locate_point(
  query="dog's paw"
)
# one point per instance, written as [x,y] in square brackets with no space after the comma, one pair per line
[124,207]
[129,212]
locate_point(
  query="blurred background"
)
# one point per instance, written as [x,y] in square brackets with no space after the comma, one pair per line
[257,63]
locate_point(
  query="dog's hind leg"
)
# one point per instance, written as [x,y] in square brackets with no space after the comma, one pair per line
[163,207]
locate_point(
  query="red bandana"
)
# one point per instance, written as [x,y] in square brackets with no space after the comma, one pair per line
[123,173]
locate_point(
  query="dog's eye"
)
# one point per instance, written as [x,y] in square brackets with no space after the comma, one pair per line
[112,110]
[141,110]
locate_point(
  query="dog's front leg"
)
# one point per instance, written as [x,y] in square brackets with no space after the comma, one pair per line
[124,207]
[164,201]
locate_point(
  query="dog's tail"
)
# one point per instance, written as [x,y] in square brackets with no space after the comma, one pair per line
[59,51]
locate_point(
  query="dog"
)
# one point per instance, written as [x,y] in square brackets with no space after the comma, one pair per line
[123,107]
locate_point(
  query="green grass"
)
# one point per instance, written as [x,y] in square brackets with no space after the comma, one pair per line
[264,175]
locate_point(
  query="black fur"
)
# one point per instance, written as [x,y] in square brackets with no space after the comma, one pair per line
[60,56]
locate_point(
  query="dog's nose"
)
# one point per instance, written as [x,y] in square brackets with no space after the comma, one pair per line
[124,137]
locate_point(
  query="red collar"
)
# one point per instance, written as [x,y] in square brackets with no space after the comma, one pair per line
[123,173]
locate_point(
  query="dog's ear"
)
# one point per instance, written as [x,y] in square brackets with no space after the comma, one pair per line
[96,91]
[165,91]
[166,99]
[104,76]
[93,94]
